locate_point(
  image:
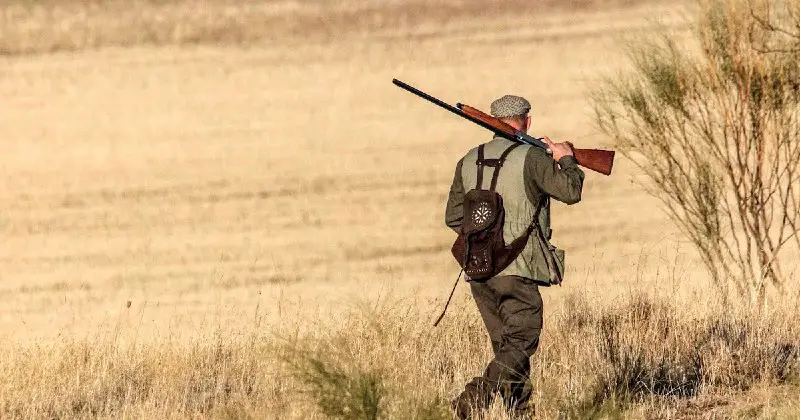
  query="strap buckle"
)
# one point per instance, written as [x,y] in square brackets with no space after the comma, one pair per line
[492,163]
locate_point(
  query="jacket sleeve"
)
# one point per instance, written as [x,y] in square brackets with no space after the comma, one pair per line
[562,181]
[454,213]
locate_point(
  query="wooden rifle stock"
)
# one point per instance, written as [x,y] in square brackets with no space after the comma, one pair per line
[488,119]
[598,160]
[601,161]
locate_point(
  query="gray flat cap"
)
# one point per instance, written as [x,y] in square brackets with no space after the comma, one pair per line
[510,106]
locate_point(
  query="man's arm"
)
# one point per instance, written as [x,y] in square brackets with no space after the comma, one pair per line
[562,180]
[454,213]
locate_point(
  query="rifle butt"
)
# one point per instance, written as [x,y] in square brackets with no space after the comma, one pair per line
[601,161]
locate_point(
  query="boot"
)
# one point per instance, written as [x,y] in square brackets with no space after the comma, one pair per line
[476,397]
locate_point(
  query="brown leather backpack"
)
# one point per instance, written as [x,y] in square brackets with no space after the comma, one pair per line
[480,248]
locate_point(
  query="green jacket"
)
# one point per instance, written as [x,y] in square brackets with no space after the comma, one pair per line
[528,175]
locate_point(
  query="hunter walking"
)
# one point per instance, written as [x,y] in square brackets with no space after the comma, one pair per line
[525,177]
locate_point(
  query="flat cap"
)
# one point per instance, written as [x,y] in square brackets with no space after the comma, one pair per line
[510,106]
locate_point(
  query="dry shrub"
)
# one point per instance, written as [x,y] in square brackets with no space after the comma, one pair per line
[713,124]
[338,393]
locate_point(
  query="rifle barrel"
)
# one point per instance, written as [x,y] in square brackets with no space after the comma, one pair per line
[427,97]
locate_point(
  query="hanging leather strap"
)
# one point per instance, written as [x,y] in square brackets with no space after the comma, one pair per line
[449,298]
[519,243]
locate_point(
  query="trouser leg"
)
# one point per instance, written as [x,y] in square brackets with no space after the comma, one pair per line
[511,308]
[521,314]
[477,394]
[488,303]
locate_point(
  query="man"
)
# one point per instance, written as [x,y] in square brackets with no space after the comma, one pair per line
[510,303]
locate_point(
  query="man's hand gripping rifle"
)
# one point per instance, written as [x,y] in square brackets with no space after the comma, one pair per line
[601,161]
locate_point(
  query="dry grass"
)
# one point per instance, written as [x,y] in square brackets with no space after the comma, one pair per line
[636,357]
[206,231]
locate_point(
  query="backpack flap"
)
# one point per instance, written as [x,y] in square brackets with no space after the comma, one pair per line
[483,210]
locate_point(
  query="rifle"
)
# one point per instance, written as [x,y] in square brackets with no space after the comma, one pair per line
[601,161]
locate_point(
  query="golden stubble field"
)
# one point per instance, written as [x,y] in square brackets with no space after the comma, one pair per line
[168,191]
[202,181]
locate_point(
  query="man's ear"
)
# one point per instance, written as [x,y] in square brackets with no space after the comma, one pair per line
[527,123]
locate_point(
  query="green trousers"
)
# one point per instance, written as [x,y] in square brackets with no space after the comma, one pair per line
[511,308]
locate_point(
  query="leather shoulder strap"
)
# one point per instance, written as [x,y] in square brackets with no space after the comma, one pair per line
[535,220]
[480,163]
[500,162]
[539,206]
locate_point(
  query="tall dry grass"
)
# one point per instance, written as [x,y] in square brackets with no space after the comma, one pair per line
[640,356]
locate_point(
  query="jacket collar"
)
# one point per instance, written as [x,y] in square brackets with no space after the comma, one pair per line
[501,139]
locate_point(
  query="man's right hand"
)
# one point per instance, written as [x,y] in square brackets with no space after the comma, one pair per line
[559,150]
